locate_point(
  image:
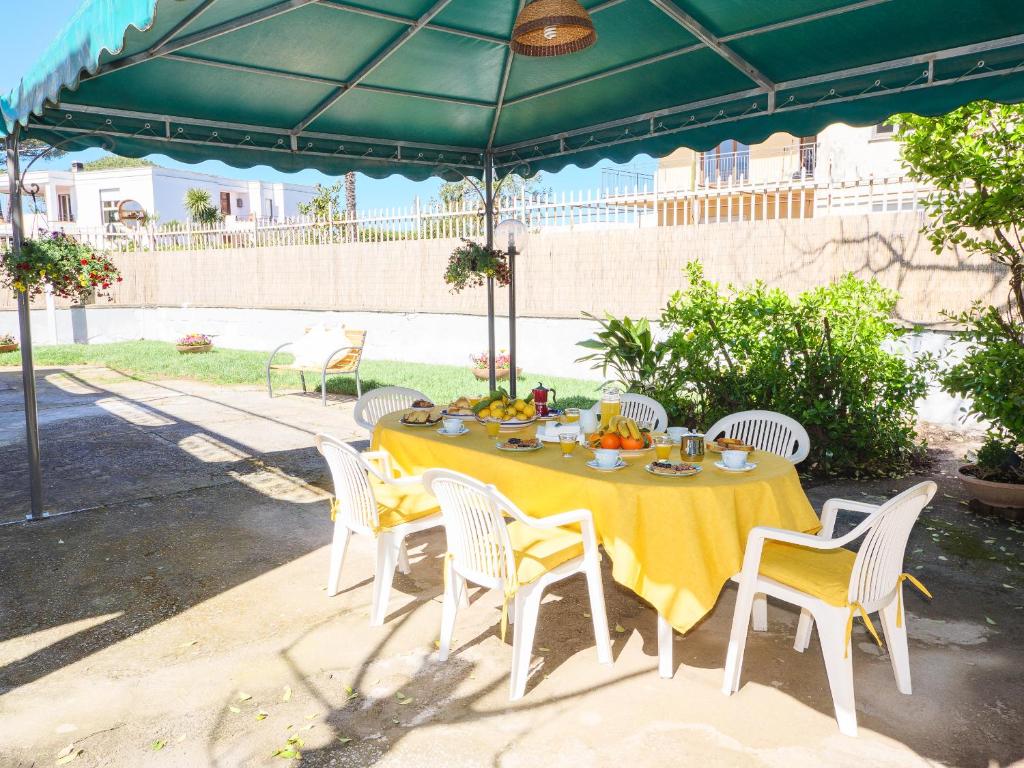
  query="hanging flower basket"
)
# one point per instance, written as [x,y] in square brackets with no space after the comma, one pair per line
[471,264]
[194,343]
[72,269]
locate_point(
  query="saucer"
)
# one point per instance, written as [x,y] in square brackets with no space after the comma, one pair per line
[463,431]
[745,468]
[594,465]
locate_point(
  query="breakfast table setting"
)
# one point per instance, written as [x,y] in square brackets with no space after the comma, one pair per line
[671,510]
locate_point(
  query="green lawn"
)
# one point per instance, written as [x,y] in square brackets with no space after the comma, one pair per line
[160,360]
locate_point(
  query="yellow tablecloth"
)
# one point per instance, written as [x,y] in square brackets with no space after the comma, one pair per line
[673,541]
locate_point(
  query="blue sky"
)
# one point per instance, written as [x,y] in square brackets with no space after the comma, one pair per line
[37,23]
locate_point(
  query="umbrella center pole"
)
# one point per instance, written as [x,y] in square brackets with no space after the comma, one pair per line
[489,226]
[25,337]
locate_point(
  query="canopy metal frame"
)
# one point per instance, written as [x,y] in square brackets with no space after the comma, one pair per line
[60,122]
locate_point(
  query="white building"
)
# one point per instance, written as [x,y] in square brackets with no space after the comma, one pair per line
[90,199]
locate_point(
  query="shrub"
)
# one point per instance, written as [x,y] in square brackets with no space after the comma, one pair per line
[992,375]
[821,358]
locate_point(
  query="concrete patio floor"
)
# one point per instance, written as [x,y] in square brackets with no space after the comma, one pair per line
[180,619]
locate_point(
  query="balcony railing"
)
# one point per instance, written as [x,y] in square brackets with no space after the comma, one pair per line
[755,165]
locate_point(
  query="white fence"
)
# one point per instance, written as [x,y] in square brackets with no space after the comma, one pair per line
[606,208]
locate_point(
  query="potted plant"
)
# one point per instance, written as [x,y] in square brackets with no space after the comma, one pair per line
[8,343]
[502,366]
[193,343]
[72,269]
[471,264]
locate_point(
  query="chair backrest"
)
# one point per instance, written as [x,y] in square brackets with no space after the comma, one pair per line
[645,411]
[879,560]
[379,402]
[766,431]
[357,506]
[348,360]
[474,526]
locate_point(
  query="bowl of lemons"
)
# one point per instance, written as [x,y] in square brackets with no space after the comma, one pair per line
[512,412]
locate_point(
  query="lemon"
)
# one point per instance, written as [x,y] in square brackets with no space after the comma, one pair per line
[529,412]
[485,413]
[519,405]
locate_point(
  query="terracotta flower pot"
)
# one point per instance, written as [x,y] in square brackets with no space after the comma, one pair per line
[194,348]
[499,373]
[1002,496]
[8,347]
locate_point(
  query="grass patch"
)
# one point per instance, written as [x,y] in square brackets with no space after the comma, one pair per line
[160,360]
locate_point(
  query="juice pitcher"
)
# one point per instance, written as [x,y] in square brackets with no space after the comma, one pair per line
[611,405]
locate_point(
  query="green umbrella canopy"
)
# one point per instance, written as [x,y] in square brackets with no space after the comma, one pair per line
[429,87]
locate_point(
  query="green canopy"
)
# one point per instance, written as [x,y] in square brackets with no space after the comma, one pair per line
[429,87]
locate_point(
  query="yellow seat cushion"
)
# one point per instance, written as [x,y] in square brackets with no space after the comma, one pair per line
[402,505]
[539,550]
[823,573]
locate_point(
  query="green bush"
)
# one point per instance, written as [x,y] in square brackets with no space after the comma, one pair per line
[992,375]
[821,358]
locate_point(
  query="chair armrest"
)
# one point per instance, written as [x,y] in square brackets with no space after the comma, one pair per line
[276,350]
[379,464]
[832,506]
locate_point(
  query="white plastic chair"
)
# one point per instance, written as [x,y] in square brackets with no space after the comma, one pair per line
[522,558]
[644,410]
[382,401]
[399,507]
[831,584]
[766,431]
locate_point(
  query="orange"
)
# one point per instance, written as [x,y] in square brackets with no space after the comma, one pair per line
[611,441]
[632,444]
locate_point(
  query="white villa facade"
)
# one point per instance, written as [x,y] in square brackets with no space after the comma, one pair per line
[89,199]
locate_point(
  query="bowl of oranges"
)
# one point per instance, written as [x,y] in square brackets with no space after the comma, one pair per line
[623,434]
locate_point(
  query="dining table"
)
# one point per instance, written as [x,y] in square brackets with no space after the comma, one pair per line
[674,541]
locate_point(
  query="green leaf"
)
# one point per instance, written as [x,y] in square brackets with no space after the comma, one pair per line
[157,745]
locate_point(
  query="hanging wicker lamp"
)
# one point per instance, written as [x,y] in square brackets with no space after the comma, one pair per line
[552,28]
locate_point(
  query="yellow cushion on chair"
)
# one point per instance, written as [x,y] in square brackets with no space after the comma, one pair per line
[402,505]
[539,550]
[822,573]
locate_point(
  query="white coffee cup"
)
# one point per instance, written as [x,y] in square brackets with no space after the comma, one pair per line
[735,459]
[676,433]
[606,457]
[451,425]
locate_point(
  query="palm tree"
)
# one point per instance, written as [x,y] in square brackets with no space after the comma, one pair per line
[350,200]
[199,206]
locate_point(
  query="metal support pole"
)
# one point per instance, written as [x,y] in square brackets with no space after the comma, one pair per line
[512,321]
[489,222]
[28,378]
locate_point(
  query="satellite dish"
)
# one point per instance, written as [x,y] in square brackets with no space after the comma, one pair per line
[131,212]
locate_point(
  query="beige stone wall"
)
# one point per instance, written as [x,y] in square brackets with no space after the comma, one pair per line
[627,271]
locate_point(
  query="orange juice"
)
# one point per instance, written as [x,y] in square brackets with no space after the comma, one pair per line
[493,427]
[571,415]
[609,408]
[663,451]
[568,444]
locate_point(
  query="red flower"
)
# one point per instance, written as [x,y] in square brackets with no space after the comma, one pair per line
[120,279]
[106,285]
[85,261]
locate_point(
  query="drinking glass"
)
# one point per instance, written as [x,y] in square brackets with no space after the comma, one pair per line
[663,447]
[568,444]
[611,405]
[493,427]
[571,415]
